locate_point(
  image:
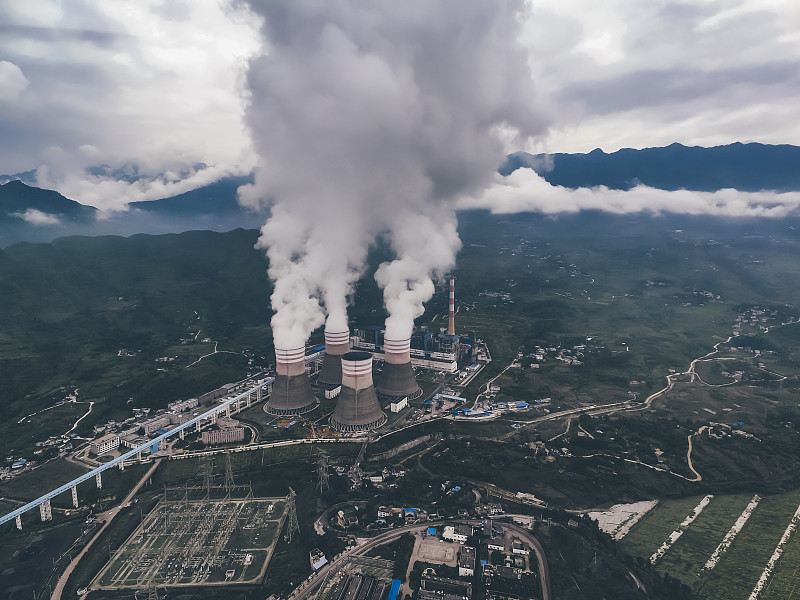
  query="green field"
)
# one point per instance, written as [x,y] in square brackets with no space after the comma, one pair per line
[654,528]
[785,581]
[738,569]
[737,573]
[688,555]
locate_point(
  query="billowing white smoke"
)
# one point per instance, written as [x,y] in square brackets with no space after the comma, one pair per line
[371,118]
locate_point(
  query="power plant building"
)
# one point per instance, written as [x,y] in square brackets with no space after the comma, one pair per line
[428,350]
[357,409]
[104,444]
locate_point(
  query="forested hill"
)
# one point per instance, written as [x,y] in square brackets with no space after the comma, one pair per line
[746,167]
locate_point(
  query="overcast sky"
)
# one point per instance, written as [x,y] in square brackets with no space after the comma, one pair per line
[162,84]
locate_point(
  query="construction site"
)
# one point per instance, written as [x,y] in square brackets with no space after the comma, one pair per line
[186,540]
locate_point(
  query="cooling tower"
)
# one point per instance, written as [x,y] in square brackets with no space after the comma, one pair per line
[291,392]
[336,344]
[397,380]
[357,408]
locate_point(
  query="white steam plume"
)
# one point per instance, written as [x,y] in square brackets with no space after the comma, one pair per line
[372,118]
[526,191]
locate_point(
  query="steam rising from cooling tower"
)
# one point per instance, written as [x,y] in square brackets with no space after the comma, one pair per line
[357,408]
[372,119]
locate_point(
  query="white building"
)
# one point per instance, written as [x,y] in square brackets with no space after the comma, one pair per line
[520,547]
[457,533]
[104,444]
[466,562]
[396,407]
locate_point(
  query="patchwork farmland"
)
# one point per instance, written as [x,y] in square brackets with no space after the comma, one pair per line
[728,547]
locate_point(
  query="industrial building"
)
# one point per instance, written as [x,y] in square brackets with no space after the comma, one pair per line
[443,351]
[225,435]
[466,562]
[444,588]
[104,444]
[357,408]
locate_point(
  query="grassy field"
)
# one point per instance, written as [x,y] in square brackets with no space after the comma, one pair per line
[737,573]
[651,531]
[49,475]
[738,570]
[688,555]
[785,581]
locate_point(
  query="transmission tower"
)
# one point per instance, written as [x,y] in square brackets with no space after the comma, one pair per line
[207,471]
[229,483]
[293,527]
[323,484]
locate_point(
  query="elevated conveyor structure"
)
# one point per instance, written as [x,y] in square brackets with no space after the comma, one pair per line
[235,403]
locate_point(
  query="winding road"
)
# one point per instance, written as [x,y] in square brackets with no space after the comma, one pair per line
[109,516]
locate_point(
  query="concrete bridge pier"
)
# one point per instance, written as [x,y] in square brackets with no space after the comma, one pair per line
[75,496]
[228,411]
[99,479]
[19,522]
[197,425]
[122,465]
[182,433]
[45,511]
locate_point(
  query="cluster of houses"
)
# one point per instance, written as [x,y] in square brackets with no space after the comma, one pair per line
[498,557]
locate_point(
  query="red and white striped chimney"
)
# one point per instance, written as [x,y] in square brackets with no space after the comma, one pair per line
[290,362]
[451,329]
[337,342]
[397,352]
[357,370]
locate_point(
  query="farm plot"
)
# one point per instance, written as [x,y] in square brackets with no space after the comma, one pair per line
[785,581]
[739,569]
[650,532]
[686,558]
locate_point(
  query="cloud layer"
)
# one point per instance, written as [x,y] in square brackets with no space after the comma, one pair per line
[525,191]
[151,84]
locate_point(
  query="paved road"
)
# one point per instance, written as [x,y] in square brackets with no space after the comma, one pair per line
[108,516]
[386,537]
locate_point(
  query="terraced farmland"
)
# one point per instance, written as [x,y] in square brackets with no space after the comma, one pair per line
[739,568]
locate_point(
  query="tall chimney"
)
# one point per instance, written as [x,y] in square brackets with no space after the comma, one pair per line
[397,380]
[337,343]
[357,408]
[451,329]
[291,392]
